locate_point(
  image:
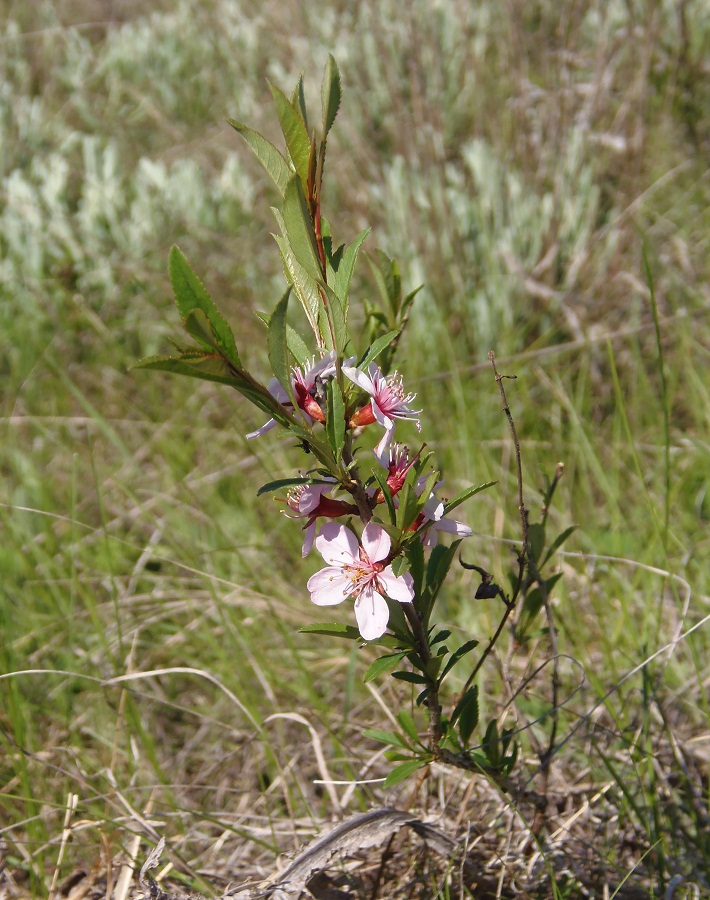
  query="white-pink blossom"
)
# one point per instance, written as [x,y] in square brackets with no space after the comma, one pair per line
[358,570]
[309,501]
[433,513]
[388,402]
[303,381]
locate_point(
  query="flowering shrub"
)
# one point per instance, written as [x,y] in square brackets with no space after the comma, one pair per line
[379,540]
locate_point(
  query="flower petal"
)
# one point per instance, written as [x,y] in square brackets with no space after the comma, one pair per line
[397,587]
[452,526]
[328,587]
[372,614]
[337,544]
[360,379]
[376,542]
[259,431]
[308,538]
[381,451]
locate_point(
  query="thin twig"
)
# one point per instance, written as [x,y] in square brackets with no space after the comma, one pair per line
[523,552]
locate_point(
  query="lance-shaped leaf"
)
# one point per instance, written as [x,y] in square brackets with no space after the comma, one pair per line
[196,363]
[465,494]
[344,265]
[330,94]
[295,133]
[335,417]
[296,344]
[299,229]
[298,101]
[399,773]
[305,288]
[190,294]
[383,664]
[268,155]
[278,345]
[374,350]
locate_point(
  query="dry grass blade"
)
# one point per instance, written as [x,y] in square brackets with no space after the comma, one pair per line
[363,831]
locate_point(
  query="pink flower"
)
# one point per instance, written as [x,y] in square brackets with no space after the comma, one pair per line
[359,571]
[304,382]
[309,501]
[389,402]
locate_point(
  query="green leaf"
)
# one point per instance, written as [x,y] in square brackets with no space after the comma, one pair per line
[386,737]
[299,228]
[298,101]
[558,542]
[197,325]
[461,704]
[335,417]
[295,133]
[415,554]
[382,665]
[400,565]
[278,345]
[465,494]
[345,267]
[280,483]
[381,479]
[330,94]
[399,773]
[190,294]
[406,721]
[336,315]
[456,656]
[536,540]
[374,350]
[332,630]
[305,287]
[468,714]
[206,366]
[270,158]
[440,636]
[411,677]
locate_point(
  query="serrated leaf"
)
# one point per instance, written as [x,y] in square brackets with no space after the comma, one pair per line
[466,494]
[335,417]
[468,716]
[456,656]
[400,565]
[346,264]
[305,288]
[295,133]
[377,346]
[268,155]
[458,709]
[278,346]
[386,737]
[298,101]
[197,325]
[558,542]
[336,317]
[299,229]
[191,294]
[399,773]
[330,94]
[382,665]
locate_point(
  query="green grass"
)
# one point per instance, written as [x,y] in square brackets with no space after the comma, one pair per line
[516,161]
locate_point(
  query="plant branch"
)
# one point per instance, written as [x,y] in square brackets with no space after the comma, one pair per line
[523,552]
